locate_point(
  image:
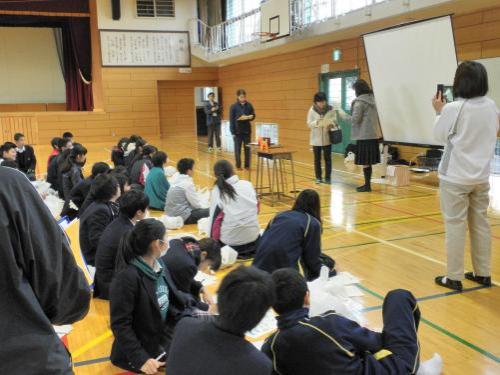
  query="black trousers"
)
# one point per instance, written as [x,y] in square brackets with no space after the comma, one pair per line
[327,154]
[242,140]
[213,132]
[197,214]
[401,317]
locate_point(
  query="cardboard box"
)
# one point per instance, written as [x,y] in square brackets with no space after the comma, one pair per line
[398,175]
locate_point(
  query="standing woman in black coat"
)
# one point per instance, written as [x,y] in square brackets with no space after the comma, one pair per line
[144,301]
[71,172]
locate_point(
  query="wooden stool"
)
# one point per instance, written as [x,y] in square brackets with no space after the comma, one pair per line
[277,179]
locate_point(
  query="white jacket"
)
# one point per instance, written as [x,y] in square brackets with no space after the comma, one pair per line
[468,160]
[240,225]
[182,197]
[319,125]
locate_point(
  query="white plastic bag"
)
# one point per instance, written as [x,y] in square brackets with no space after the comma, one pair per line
[229,256]
[172,222]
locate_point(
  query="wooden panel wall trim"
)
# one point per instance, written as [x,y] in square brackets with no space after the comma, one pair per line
[46,14]
[27,125]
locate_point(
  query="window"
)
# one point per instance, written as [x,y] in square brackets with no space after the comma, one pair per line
[236,8]
[155,8]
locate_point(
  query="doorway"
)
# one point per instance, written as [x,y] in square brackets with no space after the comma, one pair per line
[338,88]
[200,101]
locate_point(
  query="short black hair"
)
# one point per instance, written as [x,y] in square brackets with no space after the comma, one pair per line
[133,201]
[100,168]
[120,169]
[148,150]
[319,97]
[18,136]
[212,248]
[244,297]
[185,165]
[159,158]
[63,142]
[361,87]
[240,92]
[7,146]
[55,142]
[291,289]
[104,187]
[210,93]
[122,179]
[67,135]
[471,80]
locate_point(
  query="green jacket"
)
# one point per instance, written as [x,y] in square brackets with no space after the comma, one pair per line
[156,188]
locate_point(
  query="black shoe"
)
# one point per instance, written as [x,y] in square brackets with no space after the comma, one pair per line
[328,181]
[364,189]
[483,280]
[447,283]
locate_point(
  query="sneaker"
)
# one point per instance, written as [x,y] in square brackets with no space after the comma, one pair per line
[448,283]
[210,149]
[483,280]
[319,181]
[364,189]
[328,182]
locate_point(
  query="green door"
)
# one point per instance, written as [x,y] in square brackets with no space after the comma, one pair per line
[338,88]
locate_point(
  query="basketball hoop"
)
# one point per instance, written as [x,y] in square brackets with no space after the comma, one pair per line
[266,36]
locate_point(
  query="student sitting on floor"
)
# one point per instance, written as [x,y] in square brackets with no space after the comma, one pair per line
[82,189]
[135,152]
[145,304]
[331,344]
[8,152]
[117,154]
[26,159]
[55,150]
[133,207]
[182,197]
[156,183]
[98,215]
[185,257]
[295,236]
[218,347]
[53,176]
[72,175]
[141,167]
[233,211]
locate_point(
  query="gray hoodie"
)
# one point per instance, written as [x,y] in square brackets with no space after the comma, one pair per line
[364,118]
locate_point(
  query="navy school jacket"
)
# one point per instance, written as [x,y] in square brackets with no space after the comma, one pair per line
[203,348]
[323,345]
[235,112]
[290,237]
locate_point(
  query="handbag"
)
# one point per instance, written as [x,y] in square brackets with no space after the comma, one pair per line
[336,136]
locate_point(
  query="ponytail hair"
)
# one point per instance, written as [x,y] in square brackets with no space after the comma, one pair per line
[223,170]
[137,242]
[70,158]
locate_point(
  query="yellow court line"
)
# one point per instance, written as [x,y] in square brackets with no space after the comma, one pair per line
[91,344]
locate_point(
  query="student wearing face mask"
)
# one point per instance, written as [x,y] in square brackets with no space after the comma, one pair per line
[145,304]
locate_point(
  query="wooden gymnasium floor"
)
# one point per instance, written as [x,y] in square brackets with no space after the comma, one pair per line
[390,238]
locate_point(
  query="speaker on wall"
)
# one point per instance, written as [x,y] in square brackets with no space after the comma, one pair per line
[115,9]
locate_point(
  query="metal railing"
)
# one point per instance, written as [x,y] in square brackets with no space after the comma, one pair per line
[245,28]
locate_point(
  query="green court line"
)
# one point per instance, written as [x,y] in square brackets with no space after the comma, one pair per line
[442,330]
[347,246]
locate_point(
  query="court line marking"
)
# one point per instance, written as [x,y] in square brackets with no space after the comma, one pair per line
[91,361]
[442,330]
[91,344]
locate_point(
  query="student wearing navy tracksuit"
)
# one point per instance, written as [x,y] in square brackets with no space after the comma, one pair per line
[331,344]
[294,236]
[241,114]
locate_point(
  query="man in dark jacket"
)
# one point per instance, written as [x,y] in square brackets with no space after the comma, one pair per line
[53,175]
[245,295]
[133,207]
[41,283]
[82,189]
[240,116]
[26,160]
[105,191]
[213,112]
[331,344]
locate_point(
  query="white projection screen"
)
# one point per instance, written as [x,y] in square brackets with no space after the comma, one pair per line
[406,63]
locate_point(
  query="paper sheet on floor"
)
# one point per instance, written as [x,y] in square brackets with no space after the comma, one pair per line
[266,326]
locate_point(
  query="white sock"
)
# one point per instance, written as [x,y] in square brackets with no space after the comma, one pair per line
[433,366]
